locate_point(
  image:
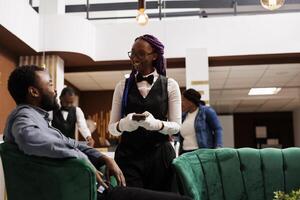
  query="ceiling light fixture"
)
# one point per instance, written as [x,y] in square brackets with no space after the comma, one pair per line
[264,91]
[272,4]
[142,18]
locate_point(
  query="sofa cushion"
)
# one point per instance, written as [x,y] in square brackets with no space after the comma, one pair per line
[238,174]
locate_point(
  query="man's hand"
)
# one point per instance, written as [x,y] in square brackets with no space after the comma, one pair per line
[90,141]
[112,169]
[100,180]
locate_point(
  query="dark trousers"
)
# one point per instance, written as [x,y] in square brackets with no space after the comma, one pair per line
[147,169]
[131,193]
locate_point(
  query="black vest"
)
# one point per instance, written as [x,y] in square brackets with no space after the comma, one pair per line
[67,127]
[156,103]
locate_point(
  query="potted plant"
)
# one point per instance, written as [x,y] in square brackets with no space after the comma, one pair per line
[293,195]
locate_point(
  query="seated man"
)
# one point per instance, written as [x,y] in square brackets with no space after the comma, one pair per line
[28,127]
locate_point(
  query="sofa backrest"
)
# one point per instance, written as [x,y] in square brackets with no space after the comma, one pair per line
[237,174]
[38,178]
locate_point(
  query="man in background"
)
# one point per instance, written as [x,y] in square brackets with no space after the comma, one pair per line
[68,116]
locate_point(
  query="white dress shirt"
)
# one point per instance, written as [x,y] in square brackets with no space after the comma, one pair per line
[80,123]
[172,126]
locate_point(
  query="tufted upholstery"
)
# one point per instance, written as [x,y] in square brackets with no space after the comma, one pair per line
[38,178]
[237,174]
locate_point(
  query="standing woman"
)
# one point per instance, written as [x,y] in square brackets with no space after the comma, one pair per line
[201,127]
[145,153]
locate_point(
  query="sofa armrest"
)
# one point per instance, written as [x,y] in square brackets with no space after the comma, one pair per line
[188,176]
[31,177]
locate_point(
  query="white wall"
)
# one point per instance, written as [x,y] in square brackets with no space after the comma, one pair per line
[52,7]
[236,35]
[67,33]
[47,32]
[232,35]
[196,70]
[228,130]
[296,122]
[19,18]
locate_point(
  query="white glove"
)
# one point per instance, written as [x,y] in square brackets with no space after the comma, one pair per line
[151,123]
[127,124]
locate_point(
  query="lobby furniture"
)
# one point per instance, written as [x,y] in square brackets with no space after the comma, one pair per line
[237,174]
[39,178]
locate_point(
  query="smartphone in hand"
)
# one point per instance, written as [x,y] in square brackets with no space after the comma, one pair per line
[138,117]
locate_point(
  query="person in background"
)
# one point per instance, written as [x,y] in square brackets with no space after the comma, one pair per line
[28,127]
[68,116]
[145,153]
[201,127]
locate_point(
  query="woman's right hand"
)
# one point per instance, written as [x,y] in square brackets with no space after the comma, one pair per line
[127,124]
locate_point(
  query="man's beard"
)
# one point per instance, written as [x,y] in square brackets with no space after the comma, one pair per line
[49,103]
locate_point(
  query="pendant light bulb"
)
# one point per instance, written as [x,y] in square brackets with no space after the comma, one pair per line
[142,18]
[272,4]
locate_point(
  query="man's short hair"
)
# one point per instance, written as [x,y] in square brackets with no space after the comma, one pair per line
[20,79]
[67,91]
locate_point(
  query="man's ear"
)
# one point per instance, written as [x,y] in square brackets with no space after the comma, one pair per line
[33,92]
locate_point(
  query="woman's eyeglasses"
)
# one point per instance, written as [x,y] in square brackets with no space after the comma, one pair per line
[139,55]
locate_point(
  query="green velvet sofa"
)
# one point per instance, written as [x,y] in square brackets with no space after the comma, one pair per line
[237,174]
[37,178]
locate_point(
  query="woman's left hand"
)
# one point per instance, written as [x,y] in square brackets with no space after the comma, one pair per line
[150,123]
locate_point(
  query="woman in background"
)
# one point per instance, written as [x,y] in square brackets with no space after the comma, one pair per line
[201,127]
[145,153]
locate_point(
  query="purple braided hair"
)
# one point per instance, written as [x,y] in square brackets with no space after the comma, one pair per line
[160,63]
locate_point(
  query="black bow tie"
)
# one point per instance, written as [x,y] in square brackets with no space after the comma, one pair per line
[149,79]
